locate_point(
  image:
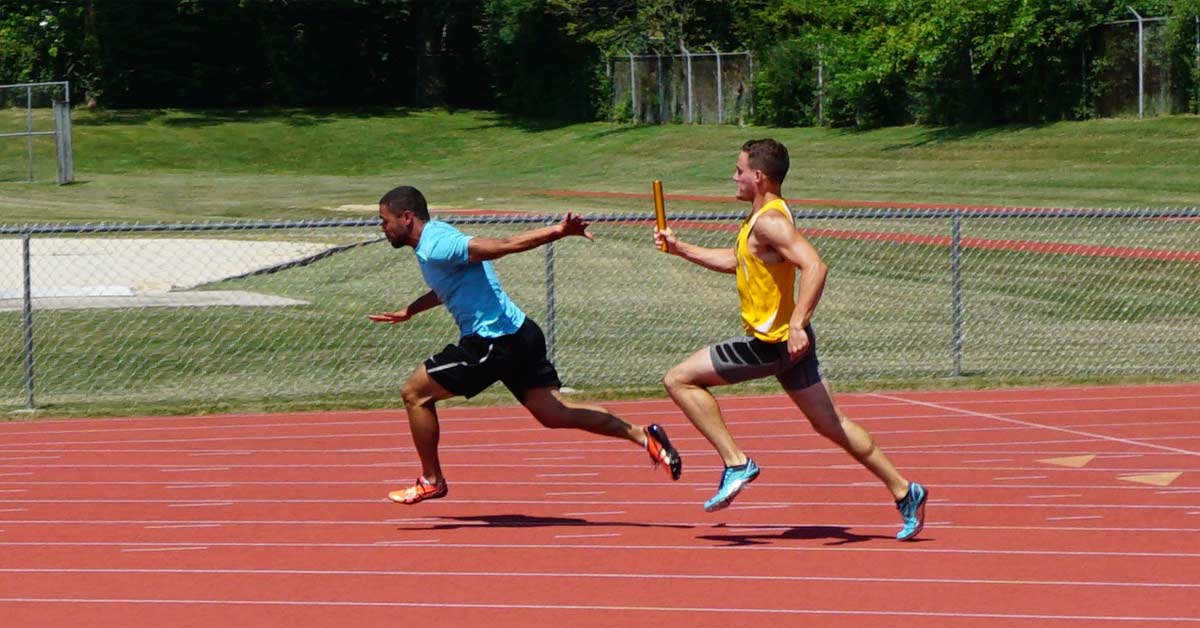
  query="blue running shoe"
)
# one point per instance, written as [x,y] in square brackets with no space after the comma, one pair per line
[912,510]
[733,480]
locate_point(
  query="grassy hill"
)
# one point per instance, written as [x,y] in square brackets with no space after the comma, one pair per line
[151,165]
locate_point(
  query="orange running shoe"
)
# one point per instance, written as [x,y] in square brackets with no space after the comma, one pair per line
[419,492]
[660,450]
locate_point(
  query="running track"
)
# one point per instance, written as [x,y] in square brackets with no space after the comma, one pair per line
[1049,507]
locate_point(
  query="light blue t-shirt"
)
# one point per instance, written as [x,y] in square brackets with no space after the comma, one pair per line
[470,290]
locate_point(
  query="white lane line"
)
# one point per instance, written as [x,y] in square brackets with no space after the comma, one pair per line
[183,525]
[8,458]
[587,536]
[165,549]
[183,486]
[222,453]
[191,469]
[995,417]
[545,458]
[199,504]
[14,490]
[988,460]
[561,493]
[1074,518]
[1022,477]
[679,524]
[597,512]
[598,607]
[1055,496]
[405,542]
[13,474]
[891,549]
[14,510]
[567,475]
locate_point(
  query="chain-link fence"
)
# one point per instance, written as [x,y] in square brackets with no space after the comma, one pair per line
[1133,69]
[35,132]
[218,315]
[692,87]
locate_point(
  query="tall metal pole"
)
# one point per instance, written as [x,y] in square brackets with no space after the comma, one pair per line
[688,65]
[820,85]
[29,127]
[550,301]
[633,85]
[1141,67]
[956,306]
[27,319]
[720,103]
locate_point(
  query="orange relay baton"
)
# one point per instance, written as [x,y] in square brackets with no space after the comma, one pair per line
[660,211]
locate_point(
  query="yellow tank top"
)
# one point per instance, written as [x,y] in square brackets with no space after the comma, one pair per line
[766,291]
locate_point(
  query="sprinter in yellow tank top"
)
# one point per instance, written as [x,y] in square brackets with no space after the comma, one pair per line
[779,341]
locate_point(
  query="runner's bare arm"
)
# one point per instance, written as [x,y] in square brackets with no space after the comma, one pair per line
[778,234]
[720,260]
[420,304]
[480,249]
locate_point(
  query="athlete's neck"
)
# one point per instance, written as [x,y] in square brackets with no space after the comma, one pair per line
[763,198]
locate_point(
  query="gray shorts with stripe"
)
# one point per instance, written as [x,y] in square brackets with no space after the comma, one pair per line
[744,358]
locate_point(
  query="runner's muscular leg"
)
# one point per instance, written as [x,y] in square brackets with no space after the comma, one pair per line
[817,405]
[687,383]
[421,394]
[551,410]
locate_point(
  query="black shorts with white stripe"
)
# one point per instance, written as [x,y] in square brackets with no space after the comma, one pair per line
[518,359]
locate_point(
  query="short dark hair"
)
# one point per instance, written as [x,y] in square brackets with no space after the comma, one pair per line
[406,198]
[769,156]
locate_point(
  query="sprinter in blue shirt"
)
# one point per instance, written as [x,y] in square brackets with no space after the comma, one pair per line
[499,342]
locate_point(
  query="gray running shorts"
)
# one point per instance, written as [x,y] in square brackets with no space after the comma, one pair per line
[744,358]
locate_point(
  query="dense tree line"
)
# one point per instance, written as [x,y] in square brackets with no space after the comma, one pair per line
[883,61]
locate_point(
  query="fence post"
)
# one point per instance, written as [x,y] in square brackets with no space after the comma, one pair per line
[662,112]
[633,86]
[820,85]
[29,127]
[688,68]
[1141,67]
[550,301]
[956,306]
[720,95]
[27,319]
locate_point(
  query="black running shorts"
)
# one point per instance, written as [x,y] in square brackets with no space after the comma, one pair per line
[519,360]
[744,358]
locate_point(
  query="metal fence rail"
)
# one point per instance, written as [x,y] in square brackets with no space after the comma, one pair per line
[229,313]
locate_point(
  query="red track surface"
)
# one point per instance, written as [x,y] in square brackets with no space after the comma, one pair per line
[279,520]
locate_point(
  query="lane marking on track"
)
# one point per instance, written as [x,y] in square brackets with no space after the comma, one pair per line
[186,486]
[199,505]
[183,525]
[1074,518]
[1023,477]
[602,576]
[597,512]
[587,536]
[165,549]
[562,493]
[1089,435]
[190,469]
[679,524]
[598,607]
[436,545]
[1056,496]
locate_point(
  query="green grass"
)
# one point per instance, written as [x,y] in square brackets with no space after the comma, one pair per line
[624,313]
[191,165]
